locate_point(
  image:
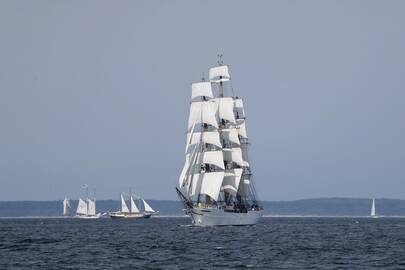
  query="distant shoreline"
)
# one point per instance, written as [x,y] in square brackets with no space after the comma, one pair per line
[328,207]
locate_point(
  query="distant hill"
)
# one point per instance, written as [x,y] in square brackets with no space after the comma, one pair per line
[54,208]
[307,207]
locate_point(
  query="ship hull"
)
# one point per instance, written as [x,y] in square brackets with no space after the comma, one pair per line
[88,217]
[125,216]
[219,217]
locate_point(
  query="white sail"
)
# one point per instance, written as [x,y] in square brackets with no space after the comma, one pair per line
[81,207]
[219,74]
[184,180]
[184,170]
[66,206]
[234,155]
[213,157]
[231,181]
[124,207]
[134,208]
[231,135]
[208,183]
[238,103]
[211,184]
[239,110]
[209,137]
[147,207]
[92,207]
[241,128]
[202,112]
[201,89]
[224,108]
[373,209]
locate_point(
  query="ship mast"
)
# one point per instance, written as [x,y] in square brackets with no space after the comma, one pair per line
[221,85]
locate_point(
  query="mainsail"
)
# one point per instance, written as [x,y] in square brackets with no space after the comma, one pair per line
[81,207]
[216,167]
[124,207]
[92,207]
[134,208]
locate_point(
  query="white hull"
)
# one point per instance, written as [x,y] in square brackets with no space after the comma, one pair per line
[89,217]
[218,217]
[118,215]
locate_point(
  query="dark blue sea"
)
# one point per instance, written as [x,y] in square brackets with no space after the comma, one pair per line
[169,243]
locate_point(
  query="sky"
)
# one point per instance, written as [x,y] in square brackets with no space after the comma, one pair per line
[97,93]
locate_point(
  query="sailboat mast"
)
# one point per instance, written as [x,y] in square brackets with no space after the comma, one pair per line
[130,198]
[87,200]
[120,202]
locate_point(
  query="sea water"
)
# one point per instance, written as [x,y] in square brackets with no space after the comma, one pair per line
[170,243]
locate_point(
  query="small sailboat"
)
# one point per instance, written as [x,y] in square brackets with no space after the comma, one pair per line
[66,207]
[87,208]
[148,210]
[125,212]
[373,213]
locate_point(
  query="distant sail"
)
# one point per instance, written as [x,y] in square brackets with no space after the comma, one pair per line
[147,207]
[81,207]
[372,214]
[66,206]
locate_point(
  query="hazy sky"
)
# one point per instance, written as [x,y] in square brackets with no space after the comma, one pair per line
[97,92]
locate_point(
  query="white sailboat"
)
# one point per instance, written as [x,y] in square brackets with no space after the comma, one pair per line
[125,212]
[216,184]
[87,208]
[66,207]
[373,213]
[148,211]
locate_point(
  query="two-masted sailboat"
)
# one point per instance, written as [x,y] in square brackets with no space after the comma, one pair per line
[216,184]
[66,207]
[133,211]
[86,208]
[125,212]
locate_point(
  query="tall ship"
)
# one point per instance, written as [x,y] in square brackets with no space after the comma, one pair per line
[66,207]
[86,208]
[127,212]
[216,182]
